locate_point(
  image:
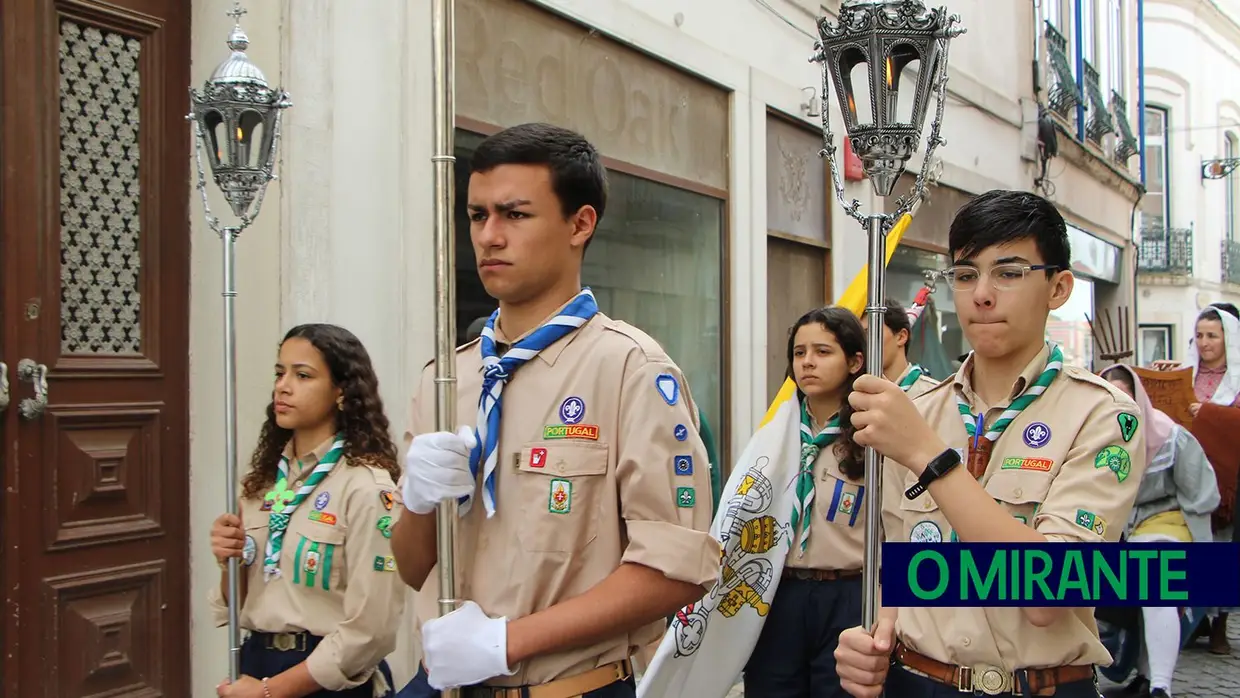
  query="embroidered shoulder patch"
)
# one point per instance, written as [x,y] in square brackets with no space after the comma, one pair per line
[1116,459]
[385,563]
[385,526]
[1127,426]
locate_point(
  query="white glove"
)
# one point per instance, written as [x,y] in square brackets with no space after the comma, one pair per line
[437,469]
[464,648]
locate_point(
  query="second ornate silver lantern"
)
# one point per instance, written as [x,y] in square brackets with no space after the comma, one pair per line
[885,38]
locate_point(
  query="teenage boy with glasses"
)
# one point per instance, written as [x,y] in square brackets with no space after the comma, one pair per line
[1016,447]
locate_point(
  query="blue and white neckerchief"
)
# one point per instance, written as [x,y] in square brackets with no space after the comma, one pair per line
[498,370]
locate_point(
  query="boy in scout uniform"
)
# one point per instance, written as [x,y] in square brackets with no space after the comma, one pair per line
[586,507]
[1016,447]
[896,367]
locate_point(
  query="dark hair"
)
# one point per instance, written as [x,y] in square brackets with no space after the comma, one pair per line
[842,323]
[1124,376]
[361,418]
[578,177]
[1213,308]
[896,318]
[474,330]
[1002,216]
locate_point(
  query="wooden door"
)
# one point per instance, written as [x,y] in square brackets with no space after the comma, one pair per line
[796,282]
[94,286]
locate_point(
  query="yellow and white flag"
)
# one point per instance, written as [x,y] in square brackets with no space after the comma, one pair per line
[708,642]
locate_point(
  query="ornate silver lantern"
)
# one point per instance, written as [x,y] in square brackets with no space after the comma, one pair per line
[236,119]
[887,37]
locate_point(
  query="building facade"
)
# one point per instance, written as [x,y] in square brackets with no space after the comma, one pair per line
[1190,216]
[721,230]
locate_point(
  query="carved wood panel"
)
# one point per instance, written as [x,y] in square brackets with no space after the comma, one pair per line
[94,251]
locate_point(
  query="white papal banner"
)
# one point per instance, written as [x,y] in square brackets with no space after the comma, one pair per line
[709,642]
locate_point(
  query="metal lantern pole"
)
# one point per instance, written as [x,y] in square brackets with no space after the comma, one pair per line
[443,36]
[886,36]
[236,119]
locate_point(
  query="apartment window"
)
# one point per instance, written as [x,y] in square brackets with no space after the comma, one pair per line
[1232,150]
[1154,345]
[1114,48]
[1155,205]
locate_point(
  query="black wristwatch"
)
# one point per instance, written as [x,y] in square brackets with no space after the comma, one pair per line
[937,468]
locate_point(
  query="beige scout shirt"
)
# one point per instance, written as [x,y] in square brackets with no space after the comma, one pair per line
[921,386]
[1043,471]
[627,482]
[337,576]
[837,529]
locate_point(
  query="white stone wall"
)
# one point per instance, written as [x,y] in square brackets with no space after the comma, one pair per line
[1192,69]
[346,233]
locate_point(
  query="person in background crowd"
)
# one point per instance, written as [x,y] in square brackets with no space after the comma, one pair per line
[896,367]
[320,595]
[1051,453]
[1214,356]
[578,466]
[1174,502]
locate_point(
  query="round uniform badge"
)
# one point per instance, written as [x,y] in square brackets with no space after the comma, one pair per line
[249,551]
[320,502]
[680,432]
[1037,435]
[572,410]
[926,532]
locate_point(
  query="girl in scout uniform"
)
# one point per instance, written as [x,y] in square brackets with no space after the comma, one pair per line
[819,595]
[320,596]
[1177,495]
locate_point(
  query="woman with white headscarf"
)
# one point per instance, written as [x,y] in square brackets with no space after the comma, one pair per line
[1177,495]
[1214,355]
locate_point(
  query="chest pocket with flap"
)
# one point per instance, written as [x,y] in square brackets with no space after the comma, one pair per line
[317,560]
[1021,492]
[560,486]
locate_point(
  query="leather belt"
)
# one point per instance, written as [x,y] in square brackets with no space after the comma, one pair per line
[819,575]
[286,642]
[992,681]
[569,687]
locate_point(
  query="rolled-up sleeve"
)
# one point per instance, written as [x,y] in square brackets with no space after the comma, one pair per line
[374,597]
[664,481]
[219,609]
[1092,495]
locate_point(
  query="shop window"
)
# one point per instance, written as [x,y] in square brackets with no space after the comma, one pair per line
[1069,326]
[938,343]
[655,262]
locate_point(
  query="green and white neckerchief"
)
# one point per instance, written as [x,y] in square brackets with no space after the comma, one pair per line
[910,378]
[284,501]
[811,446]
[979,453]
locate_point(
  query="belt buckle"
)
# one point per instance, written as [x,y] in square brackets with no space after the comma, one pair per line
[992,682]
[284,642]
[964,679]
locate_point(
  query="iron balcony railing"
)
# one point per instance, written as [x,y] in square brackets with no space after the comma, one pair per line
[1231,261]
[1167,251]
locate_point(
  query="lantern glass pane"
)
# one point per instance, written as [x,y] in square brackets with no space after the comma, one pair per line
[213,124]
[855,69]
[250,139]
[903,69]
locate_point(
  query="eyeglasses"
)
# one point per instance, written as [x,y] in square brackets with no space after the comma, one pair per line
[1003,277]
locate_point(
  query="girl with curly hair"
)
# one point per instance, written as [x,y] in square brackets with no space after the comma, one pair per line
[320,597]
[819,594]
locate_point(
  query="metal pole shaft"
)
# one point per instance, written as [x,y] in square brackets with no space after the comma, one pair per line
[873,461]
[442,49]
[229,236]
